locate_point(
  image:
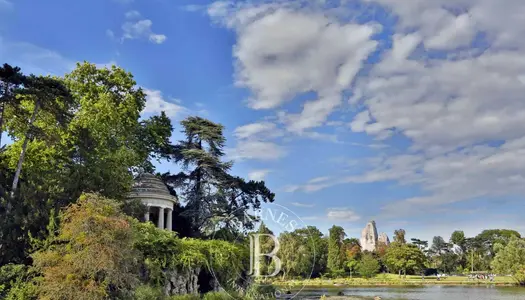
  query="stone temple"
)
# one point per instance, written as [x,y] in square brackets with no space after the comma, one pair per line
[370,238]
[154,194]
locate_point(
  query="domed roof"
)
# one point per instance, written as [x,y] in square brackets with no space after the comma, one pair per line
[150,186]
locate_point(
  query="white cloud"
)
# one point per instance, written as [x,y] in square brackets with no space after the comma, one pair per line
[282,52]
[257,141]
[155,103]
[300,204]
[342,214]
[255,149]
[140,29]
[261,129]
[258,175]
[313,185]
[132,14]
[452,85]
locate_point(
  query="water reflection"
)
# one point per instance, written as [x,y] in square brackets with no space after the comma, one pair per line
[421,292]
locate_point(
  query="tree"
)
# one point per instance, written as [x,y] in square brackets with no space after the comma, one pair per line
[10,79]
[368,266]
[352,254]
[295,255]
[336,250]
[422,245]
[49,95]
[317,249]
[511,260]
[96,152]
[212,196]
[404,258]
[93,255]
[399,236]
[439,246]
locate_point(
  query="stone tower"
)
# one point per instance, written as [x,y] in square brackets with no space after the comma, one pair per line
[383,238]
[369,237]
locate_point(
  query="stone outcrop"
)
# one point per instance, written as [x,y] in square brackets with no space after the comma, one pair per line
[383,238]
[180,282]
[369,237]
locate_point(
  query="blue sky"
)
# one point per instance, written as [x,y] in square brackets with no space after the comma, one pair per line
[406,112]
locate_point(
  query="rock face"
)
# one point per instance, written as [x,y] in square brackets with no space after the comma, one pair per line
[383,238]
[369,237]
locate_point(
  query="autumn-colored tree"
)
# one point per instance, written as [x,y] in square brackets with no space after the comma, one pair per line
[93,255]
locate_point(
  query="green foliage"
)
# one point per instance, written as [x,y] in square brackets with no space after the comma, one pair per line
[213,197]
[161,250]
[256,292]
[404,257]
[185,297]
[336,255]
[93,256]
[399,236]
[368,266]
[217,296]
[148,292]
[511,260]
[9,274]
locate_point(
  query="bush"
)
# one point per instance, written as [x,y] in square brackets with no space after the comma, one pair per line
[185,297]
[368,266]
[9,274]
[148,292]
[217,296]
[256,291]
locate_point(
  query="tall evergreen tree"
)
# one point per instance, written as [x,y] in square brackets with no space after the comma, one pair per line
[212,196]
[336,254]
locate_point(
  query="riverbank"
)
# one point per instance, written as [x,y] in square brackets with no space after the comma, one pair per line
[394,280]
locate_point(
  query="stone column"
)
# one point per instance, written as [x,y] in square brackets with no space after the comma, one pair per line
[170,219]
[146,214]
[161,218]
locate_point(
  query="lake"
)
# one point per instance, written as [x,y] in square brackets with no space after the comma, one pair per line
[421,292]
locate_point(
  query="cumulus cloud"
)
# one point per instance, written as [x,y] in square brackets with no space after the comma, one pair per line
[256,150]
[155,103]
[136,27]
[257,141]
[258,175]
[451,83]
[282,52]
[342,214]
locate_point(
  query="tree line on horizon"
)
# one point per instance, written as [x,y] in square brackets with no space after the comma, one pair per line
[336,255]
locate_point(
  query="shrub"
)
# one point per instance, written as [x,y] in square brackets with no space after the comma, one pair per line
[93,256]
[185,297]
[148,292]
[217,296]
[256,291]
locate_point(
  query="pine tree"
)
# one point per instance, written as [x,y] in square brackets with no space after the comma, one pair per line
[212,196]
[336,255]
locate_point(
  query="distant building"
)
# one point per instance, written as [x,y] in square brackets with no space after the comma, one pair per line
[370,238]
[153,193]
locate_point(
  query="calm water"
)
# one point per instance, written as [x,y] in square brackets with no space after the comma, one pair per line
[423,293]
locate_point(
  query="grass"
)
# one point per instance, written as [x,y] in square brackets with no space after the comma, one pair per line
[393,280]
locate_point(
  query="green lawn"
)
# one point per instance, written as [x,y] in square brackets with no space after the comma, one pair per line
[393,279]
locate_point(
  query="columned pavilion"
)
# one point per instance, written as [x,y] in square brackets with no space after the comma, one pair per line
[153,193]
